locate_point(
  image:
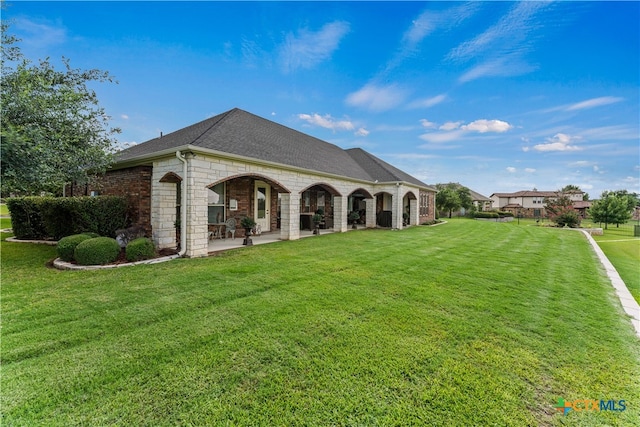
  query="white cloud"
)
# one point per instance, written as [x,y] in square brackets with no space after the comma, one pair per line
[501,48]
[484,126]
[40,34]
[511,30]
[327,122]
[427,124]
[440,137]
[428,102]
[511,169]
[307,48]
[529,170]
[594,102]
[377,98]
[506,66]
[580,164]
[559,142]
[451,131]
[450,126]
[362,132]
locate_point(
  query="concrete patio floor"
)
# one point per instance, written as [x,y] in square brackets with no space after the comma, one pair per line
[218,245]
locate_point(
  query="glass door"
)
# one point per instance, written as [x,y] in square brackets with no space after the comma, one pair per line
[262,205]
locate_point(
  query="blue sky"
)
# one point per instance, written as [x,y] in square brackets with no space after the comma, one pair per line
[498,96]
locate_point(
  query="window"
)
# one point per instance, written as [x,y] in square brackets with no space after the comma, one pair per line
[216,204]
[424,203]
[307,201]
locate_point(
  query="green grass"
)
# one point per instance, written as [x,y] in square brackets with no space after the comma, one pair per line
[620,247]
[4,210]
[469,323]
[623,250]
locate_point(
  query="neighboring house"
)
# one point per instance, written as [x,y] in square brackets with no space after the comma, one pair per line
[482,203]
[530,203]
[237,164]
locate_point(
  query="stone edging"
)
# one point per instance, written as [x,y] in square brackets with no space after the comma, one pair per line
[629,304]
[37,242]
[63,265]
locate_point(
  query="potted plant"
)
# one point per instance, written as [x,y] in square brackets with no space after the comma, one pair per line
[354,217]
[248,224]
[317,219]
[405,219]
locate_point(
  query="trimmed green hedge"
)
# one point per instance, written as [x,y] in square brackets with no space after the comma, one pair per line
[56,217]
[140,249]
[67,245]
[26,217]
[97,251]
[487,215]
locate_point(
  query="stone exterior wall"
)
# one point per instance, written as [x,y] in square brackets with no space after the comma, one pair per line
[157,205]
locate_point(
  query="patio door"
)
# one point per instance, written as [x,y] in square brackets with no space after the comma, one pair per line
[262,205]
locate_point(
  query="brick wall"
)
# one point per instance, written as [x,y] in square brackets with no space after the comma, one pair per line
[133,183]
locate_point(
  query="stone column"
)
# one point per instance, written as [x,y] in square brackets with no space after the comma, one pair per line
[197,207]
[289,216]
[396,208]
[371,212]
[340,214]
[414,215]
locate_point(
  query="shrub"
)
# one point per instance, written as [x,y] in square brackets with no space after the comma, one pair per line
[140,249]
[504,214]
[97,251]
[487,215]
[26,217]
[56,217]
[67,245]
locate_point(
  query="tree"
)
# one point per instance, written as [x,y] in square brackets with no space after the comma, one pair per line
[53,130]
[560,210]
[452,196]
[613,208]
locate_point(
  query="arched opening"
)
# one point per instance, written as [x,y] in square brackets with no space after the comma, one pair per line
[356,204]
[317,199]
[409,209]
[248,195]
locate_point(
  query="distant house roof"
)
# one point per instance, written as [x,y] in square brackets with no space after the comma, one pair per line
[527,193]
[583,204]
[240,133]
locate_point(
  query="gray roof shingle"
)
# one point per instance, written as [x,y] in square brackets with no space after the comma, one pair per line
[241,133]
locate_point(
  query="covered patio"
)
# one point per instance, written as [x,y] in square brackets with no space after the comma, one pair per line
[220,245]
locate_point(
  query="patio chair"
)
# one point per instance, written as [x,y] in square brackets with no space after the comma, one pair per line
[230,227]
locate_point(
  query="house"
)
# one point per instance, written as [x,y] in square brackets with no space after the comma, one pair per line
[237,165]
[481,203]
[530,203]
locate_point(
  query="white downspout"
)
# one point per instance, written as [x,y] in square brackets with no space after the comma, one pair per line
[183,202]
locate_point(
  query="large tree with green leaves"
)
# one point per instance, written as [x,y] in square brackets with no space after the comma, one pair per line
[613,207]
[53,129]
[453,196]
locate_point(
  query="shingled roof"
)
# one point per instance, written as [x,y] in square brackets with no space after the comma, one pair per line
[238,132]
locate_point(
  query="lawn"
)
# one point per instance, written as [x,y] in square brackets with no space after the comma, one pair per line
[468,323]
[623,250]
